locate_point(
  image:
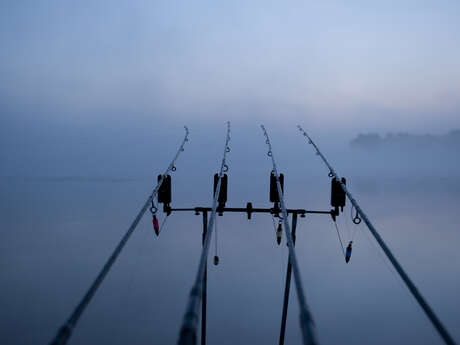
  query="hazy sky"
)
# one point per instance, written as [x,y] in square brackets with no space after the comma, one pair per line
[381,65]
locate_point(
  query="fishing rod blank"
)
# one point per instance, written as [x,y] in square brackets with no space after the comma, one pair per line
[188,330]
[306,320]
[65,331]
[410,285]
[287,287]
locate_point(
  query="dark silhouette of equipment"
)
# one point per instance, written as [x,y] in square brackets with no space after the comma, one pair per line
[348,252]
[356,219]
[338,196]
[274,196]
[164,193]
[222,199]
[249,210]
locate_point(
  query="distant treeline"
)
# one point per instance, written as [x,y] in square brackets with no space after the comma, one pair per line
[374,141]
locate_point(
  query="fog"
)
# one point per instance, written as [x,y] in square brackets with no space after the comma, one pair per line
[93,100]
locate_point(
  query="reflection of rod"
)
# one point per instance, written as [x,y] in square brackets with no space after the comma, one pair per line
[306,320]
[65,331]
[410,285]
[287,288]
[188,330]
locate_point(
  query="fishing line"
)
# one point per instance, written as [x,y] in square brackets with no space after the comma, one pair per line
[340,239]
[215,238]
[163,224]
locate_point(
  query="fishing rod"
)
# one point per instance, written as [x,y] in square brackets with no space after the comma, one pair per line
[410,285]
[188,331]
[66,330]
[287,286]
[306,320]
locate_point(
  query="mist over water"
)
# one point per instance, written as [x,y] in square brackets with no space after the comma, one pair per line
[58,230]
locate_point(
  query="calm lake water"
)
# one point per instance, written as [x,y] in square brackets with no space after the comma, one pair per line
[56,233]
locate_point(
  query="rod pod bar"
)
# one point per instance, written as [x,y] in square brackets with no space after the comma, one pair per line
[410,285]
